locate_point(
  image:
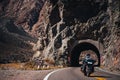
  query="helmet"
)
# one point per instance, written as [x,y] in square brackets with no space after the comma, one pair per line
[88,55]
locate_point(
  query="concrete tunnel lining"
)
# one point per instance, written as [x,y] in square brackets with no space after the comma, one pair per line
[75,53]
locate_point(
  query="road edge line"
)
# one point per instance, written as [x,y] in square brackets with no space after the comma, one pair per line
[48,75]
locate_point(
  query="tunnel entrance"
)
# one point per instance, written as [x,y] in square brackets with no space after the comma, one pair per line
[80,50]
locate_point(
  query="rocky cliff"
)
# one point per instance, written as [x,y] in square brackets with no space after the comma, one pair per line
[16,21]
[63,24]
[64,27]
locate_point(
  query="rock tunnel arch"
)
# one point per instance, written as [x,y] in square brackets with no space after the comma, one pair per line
[82,46]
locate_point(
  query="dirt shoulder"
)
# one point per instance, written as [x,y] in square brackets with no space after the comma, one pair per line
[23,74]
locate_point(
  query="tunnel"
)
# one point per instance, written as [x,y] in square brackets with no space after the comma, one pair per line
[76,52]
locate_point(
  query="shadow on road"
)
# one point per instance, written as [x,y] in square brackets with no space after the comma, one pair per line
[100,76]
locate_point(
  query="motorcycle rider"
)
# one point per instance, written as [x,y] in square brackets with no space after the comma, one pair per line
[84,63]
[88,57]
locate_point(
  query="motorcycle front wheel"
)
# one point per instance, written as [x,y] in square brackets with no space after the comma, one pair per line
[87,72]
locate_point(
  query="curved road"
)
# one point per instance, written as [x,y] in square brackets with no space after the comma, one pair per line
[74,73]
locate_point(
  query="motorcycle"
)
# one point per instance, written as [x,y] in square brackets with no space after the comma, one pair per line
[88,67]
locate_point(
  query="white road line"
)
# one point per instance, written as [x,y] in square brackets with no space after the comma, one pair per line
[46,77]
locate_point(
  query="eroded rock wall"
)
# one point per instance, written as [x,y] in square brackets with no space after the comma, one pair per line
[58,24]
[16,20]
[68,21]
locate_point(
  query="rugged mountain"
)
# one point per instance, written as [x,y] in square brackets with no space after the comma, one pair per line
[64,24]
[16,21]
[64,29]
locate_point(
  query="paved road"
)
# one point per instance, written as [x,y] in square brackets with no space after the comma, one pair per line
[74,73]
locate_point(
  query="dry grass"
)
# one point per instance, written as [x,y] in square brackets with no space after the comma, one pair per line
[31,65]
[27,66]
[11,66]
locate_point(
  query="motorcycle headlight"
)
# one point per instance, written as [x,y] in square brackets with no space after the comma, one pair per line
[89,62]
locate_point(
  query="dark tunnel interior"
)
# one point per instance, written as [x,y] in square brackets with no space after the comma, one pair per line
[74,57]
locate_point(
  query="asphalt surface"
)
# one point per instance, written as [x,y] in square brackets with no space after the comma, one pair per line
[74,73]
